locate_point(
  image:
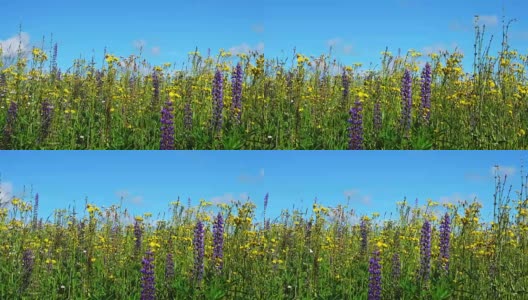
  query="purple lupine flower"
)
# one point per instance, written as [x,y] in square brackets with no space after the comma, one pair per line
[425,251]
[396,266]
[169,267]
[218,242]
[265,204]
[267,224]
[377,119]
[406,94]
[425,107]
[10,122]
[3,83]
[156,87]
[35,211]
[345,80]
[98,78]
[137,234]
[46,114]
[28,262]
[374,292]
[167,127]
[289,81]
[309,227]
[199,251]
[187,116]
[218,101]
[132,82]
[148,285]
[355,131]
[363,231]
[445,231]
[54,60]
[237,79]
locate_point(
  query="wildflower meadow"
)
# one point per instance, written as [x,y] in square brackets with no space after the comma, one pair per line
[228,251]
[250,101]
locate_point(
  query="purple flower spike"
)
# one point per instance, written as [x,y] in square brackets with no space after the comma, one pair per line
[218,242]
[375,277]
[237,80]
[137,234]
[425,106]
[148,286]
[425,251]
[10,123]
[199,251]
[363,230]
[406,94]
[167,127]
[355,131]
[445,231]
[218,101]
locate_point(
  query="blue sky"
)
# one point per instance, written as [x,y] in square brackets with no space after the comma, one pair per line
[168,30]
[150,180]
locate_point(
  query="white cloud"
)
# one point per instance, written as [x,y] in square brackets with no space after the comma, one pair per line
[6,192]
[155,50]
[334,42]
[350,193]
[339,45]
[347,49]
[139,44]
[137,200]
[11,45]
[129,198]
[228,198]
[458,26]
[246,48]
[503,170]
[440,47]
[355,196]
[488,20]
[122,194]
[456,198]
[258,28]
[246,178]
[475,177]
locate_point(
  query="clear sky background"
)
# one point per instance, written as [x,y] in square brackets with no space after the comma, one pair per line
[168,30]
[150,180]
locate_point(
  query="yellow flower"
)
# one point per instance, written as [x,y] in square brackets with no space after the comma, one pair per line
[363,95]
[154,245]
[173,94]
